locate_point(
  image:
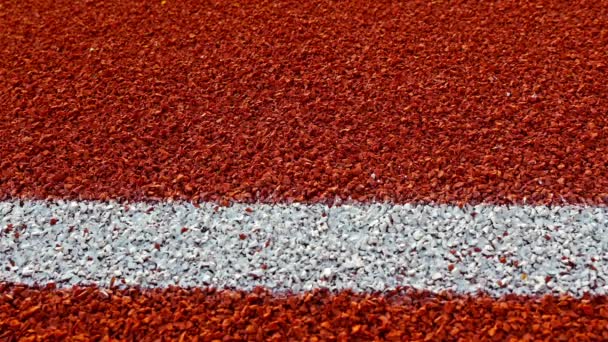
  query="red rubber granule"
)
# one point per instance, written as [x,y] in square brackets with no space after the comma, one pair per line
[305,101]
[310,101]
[205,315]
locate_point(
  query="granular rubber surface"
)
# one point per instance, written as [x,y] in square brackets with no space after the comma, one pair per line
[305,101]
[209,315]
[458,102]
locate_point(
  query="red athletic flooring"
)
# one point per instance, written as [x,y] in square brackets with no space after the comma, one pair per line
[85,314]
[281,100]
[266,101]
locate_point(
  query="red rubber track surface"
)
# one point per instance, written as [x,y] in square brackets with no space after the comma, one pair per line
[204,315]
[305,100]
[449,102]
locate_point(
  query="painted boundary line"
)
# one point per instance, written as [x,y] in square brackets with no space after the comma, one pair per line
[298,247]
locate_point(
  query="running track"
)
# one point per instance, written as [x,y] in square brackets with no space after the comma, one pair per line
[315,170]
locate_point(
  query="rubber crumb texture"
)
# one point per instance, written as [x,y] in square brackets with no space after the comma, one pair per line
[176,314]
[305,101]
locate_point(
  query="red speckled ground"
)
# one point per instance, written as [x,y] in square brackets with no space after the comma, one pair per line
[195,315]
[452,102]
[281,100]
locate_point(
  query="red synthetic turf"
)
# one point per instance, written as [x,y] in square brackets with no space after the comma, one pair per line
[204,315]
[305,100]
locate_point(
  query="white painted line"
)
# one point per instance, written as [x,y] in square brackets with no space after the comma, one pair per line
[364,247]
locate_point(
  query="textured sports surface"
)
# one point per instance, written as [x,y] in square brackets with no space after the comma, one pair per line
[313,170]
